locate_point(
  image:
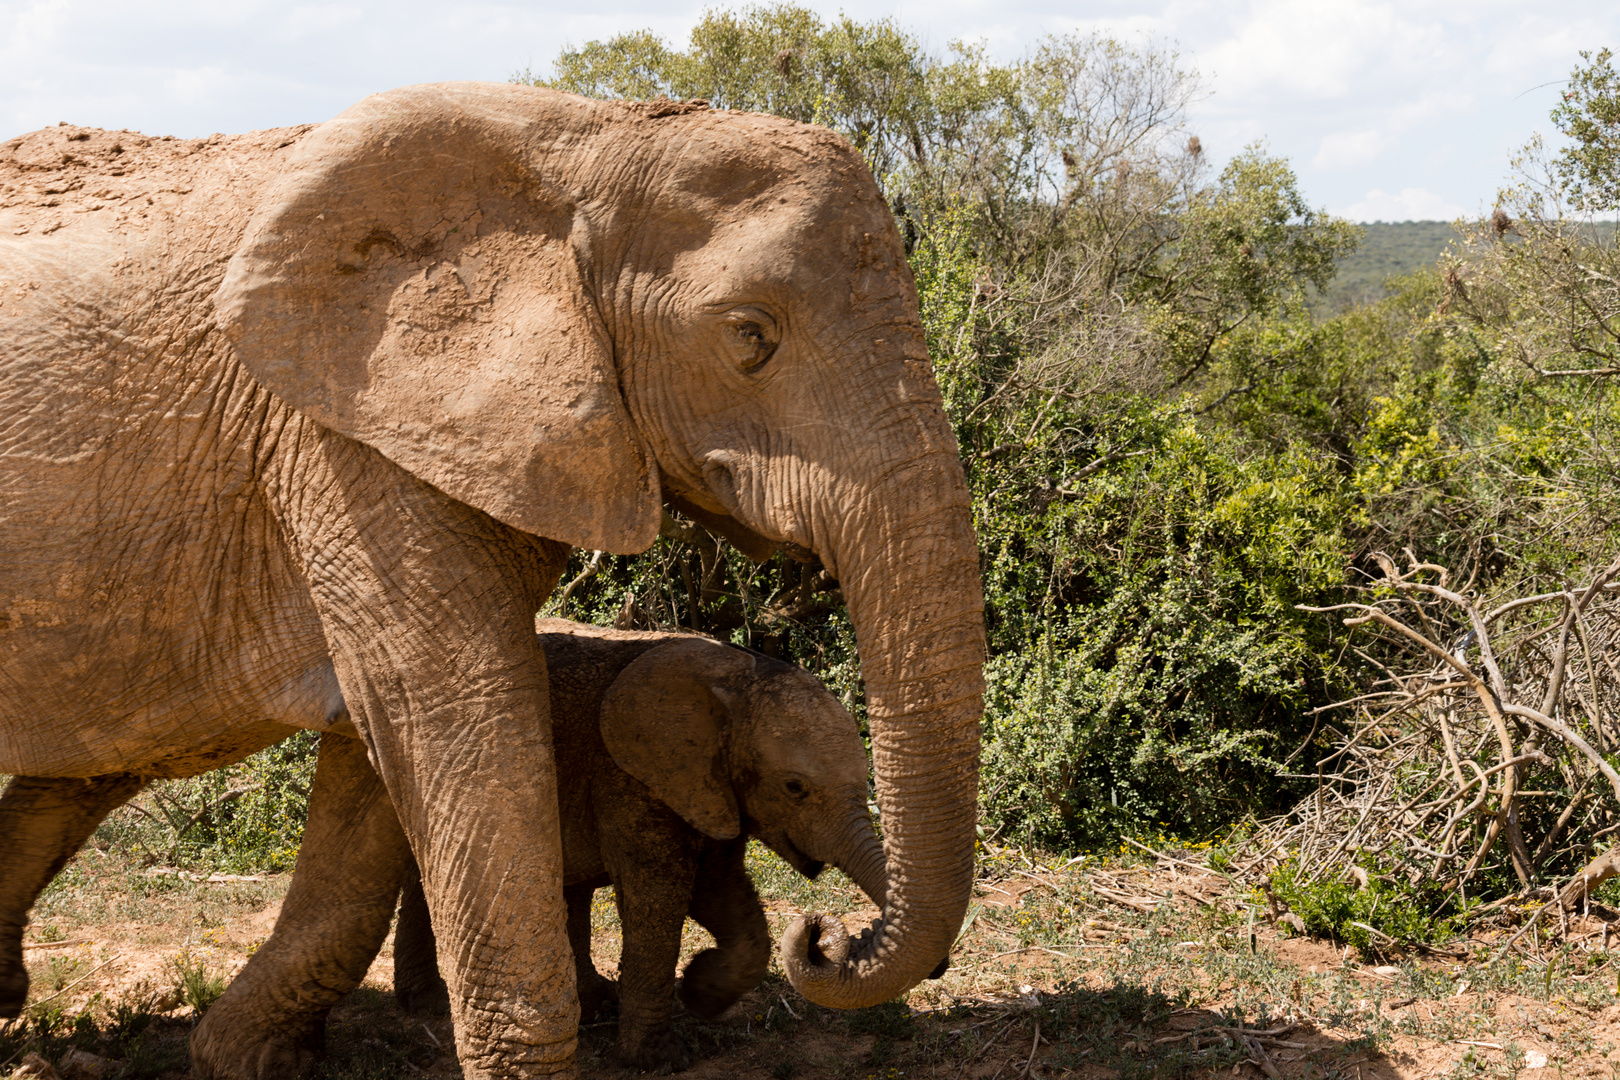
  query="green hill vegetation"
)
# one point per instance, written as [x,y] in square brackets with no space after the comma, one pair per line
[1393,250]
[1387,250]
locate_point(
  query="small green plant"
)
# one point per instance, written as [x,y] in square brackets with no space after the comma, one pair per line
[199,984]
[59,971]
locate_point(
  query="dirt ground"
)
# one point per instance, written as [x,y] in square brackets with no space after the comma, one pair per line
[1087,970]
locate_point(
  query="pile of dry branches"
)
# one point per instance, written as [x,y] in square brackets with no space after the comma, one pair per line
[1486,745]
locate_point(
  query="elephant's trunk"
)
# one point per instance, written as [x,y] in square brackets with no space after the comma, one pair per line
[909,567]
[861,856]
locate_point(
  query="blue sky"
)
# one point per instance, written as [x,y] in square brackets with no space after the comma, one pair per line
[1388,111]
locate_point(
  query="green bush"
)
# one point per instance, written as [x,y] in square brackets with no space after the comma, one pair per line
[1397,912]
[1150,670]
[245,818]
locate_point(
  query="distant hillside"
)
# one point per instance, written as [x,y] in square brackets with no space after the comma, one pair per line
[1389,250]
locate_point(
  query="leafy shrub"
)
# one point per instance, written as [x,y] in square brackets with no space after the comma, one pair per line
[1397,912]
[241,819]
[1159,672]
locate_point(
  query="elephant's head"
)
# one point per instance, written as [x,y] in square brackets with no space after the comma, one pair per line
[737,742]
[566,312]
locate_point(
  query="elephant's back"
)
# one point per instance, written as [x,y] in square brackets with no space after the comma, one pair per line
[581,663]
[583,660]
[70,181]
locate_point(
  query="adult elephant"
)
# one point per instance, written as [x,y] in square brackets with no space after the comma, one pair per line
[336,398]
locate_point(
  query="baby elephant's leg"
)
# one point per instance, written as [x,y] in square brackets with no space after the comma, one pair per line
[43,822]
[271,1021]
[598,997]
[418,986]
[725,904]
[653,895]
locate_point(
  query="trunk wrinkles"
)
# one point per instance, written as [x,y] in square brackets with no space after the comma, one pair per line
[915,599]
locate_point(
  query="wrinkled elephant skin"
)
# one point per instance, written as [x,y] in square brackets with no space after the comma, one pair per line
[309,416]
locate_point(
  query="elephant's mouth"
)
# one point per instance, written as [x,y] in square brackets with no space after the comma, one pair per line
[797,859]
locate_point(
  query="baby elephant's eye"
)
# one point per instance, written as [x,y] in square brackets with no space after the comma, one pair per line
[795,789]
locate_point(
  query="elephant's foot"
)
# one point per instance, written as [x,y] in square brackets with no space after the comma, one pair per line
[230,1044]
[418,986]
[658,1051]
[712,983]
[13,974]
[598,999]
[430,1000]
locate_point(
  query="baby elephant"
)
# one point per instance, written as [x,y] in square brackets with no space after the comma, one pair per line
[672,750]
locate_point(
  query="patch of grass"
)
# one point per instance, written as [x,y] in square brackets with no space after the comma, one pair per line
[891,1020]
[774,878]
[145,1044]
[57,971]
[369,1039]
[200,984]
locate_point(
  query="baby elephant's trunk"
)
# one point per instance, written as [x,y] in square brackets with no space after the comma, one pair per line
[862,857]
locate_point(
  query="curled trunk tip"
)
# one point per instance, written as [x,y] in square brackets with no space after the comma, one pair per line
[815,949]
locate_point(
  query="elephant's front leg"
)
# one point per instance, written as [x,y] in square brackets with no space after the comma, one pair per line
[428,610]
[725,904]
[270,1022]
[43,822]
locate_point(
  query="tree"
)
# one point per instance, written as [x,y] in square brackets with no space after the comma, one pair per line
[1589,114]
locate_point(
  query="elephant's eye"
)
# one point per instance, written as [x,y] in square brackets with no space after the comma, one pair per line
[795,789]
[749,341]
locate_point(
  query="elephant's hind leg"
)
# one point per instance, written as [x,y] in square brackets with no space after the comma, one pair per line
[418,986]
[270,1022]
[725,904]
[43,822]
[598,997]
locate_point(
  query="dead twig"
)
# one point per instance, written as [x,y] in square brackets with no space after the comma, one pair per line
[1479,702]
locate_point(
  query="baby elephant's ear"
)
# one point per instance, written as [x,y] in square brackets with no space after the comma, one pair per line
[663,723]
[417,280]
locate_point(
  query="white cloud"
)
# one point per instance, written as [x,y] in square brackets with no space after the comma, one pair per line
[1320,51]
[196,85]
[1411,204]
[1345,148]
[303,22]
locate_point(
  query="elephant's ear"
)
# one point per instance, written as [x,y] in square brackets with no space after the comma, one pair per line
[664,720]
[415,280]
